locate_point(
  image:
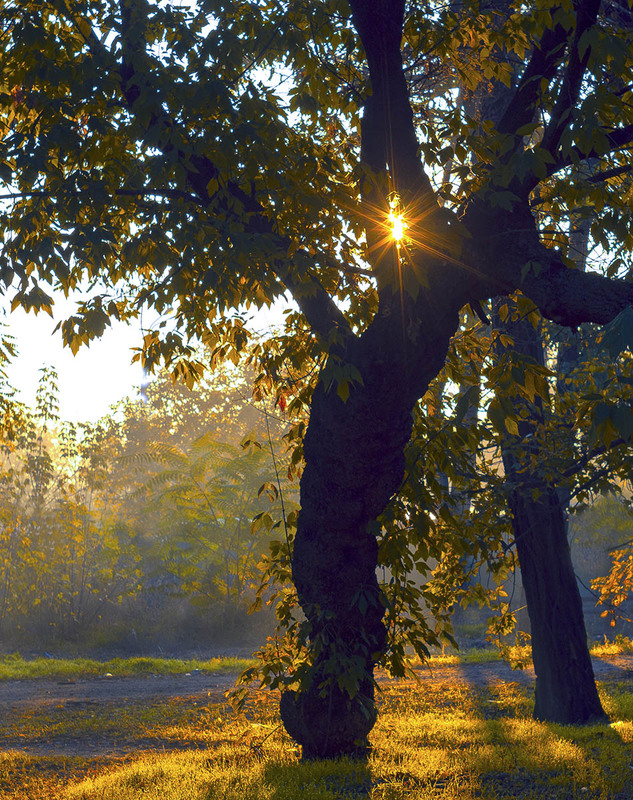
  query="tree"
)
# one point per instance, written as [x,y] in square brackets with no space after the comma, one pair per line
[213,515]
[105,525]
[147,152]
[565,685]
[56,532]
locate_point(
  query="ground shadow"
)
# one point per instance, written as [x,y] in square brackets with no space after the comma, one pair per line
[599,749]
[345,779]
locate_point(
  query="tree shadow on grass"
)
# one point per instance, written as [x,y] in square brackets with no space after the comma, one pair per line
[472,740]
[340,779]
[546,759]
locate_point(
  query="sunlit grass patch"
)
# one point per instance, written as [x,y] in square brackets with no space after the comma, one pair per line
[20,777]
[501,757]
[482,655]
[25,777]
[432,741]
[181,776]
[175,721]
[619,646]
[459,698]
[229,773]
[617,700]
[473,655]
[14,667]
[447,759]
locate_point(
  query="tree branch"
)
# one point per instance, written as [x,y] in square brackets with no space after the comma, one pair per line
[580,462]
[172,194]
[571,296]
[500,249]
[389,146]
[322,314]
[562,113]
[606,174]
[617,138]
[388,129]
[543,64]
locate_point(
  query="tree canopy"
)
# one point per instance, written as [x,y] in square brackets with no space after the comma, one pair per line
[128,125]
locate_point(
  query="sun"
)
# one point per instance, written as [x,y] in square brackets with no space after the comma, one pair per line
[398,226]
[396,220]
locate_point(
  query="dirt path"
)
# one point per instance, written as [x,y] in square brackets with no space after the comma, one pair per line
[38,694]
[111,695]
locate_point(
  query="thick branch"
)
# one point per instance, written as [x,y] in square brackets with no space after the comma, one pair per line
[388,125]
[501,246]
[571,296]
[543,64]
[617,139]
[607,174]
[562,113]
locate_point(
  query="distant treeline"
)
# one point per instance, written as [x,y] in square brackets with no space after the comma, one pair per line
[140,531]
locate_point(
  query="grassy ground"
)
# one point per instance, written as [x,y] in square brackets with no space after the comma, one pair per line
[440,740]
[14,667]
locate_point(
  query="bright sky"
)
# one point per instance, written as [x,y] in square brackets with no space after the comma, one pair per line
[91,381]
[99,375]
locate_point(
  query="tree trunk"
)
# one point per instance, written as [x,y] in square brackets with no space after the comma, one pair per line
[565,684]
[354,463]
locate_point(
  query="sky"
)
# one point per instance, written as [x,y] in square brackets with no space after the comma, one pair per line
[100,374]
[91,381]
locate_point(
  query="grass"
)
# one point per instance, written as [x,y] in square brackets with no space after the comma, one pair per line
[473,655]
[436,739]
[620,645]
[446,741]
[14,667]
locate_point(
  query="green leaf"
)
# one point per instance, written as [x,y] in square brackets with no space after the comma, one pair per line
[342,390]
[622,417]
[505,200]
[511,426]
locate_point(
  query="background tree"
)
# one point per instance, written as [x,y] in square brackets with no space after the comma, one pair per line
[57,516]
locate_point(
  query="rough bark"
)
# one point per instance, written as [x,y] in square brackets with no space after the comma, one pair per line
[565,689]
[354,453]
[565,684]
[334,566]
